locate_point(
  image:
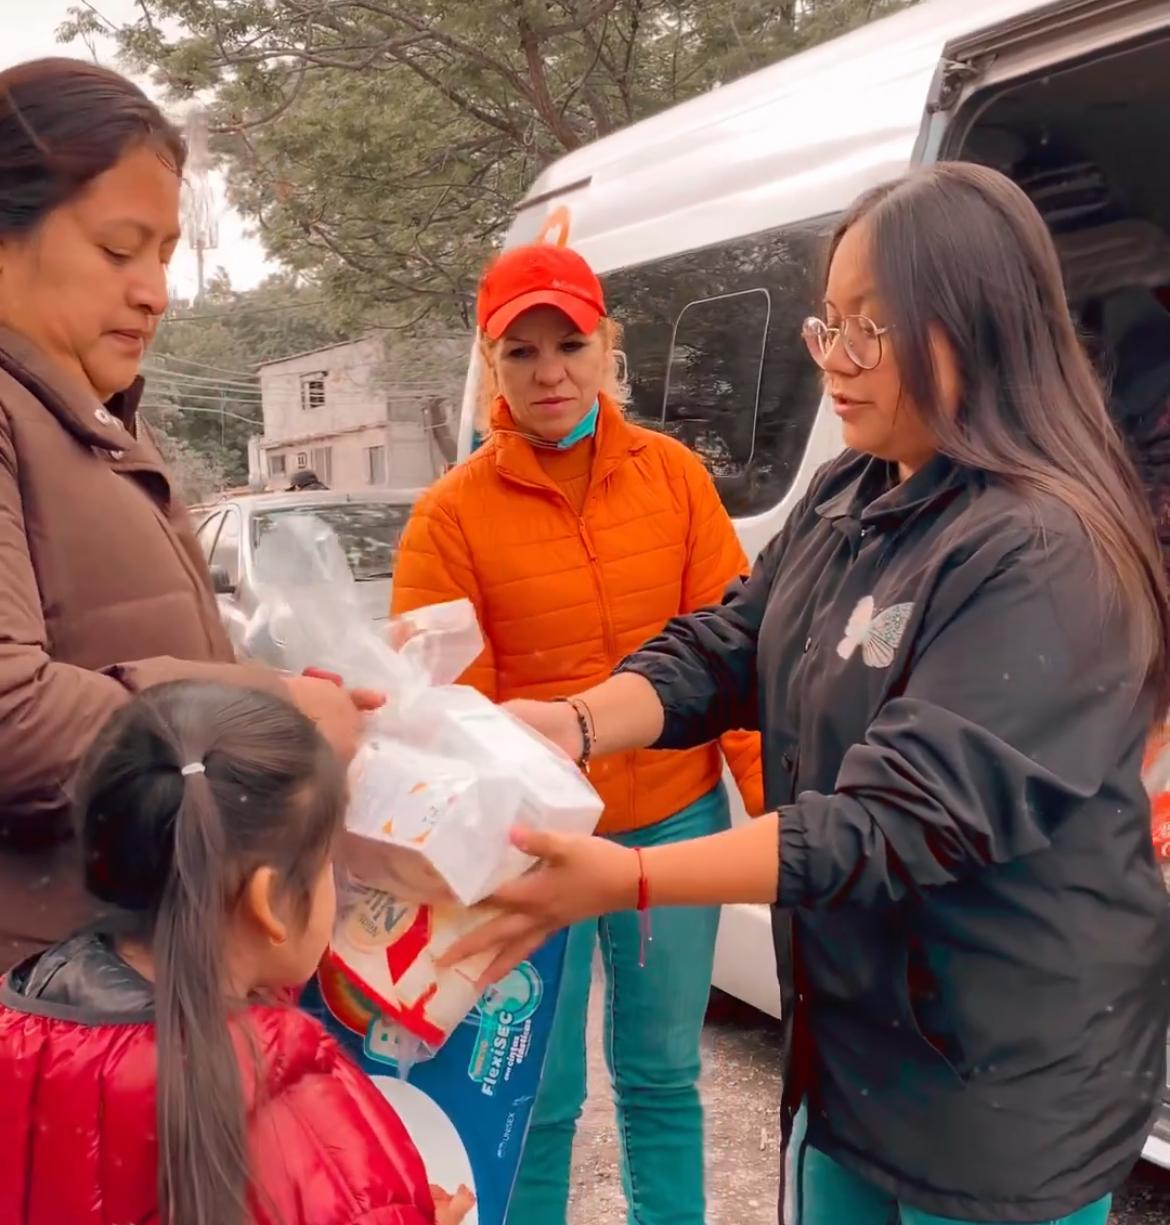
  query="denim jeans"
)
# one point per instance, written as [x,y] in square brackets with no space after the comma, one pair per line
[822,1192]
[653,1025]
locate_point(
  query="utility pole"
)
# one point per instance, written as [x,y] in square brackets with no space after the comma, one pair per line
[200,224]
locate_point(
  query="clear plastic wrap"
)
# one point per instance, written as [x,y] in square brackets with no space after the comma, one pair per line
[441,777]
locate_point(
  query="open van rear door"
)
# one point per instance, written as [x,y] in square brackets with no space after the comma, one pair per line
[1045,38]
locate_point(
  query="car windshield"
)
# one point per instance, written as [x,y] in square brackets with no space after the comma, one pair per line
[368,532]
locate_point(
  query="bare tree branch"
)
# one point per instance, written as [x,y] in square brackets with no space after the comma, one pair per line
[593,99]
[553,118]
[582,21]
[470,51]
[463,102]
[242,125]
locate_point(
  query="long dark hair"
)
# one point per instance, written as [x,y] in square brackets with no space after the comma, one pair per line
[961,248]
[172,852]
[63,122]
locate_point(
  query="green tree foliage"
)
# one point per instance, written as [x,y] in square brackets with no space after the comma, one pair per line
[380,145]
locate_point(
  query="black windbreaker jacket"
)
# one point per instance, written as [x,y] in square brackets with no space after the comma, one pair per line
[974,939]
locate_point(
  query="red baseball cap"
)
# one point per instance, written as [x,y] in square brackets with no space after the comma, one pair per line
[539,275]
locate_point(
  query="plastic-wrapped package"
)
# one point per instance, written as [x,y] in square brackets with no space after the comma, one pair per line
[441,777]
[436,789]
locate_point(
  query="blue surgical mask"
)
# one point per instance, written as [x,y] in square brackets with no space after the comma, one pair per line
[585,428]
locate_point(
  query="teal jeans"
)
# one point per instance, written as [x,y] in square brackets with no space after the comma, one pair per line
[653,1025]
[822,1192]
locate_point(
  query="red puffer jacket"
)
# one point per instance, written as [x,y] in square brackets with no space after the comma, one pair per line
[77,1115]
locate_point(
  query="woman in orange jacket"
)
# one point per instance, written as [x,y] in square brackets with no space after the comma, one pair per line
[577,535]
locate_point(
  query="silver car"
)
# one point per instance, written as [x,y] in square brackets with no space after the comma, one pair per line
[368,524]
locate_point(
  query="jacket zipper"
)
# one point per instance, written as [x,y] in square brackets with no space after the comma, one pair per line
[610,639]
[598,582]
[608,636]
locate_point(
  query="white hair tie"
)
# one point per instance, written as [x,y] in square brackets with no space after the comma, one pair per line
[196,767]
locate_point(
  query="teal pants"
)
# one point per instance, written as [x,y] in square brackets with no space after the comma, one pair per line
[822,1192]
[653,1025]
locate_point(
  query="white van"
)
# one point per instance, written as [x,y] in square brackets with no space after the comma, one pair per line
[707,224]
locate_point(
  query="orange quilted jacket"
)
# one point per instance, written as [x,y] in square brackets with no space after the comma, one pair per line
[562,599]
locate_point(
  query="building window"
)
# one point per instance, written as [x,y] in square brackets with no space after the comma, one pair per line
[312,391]
[302,459]
[715,355]
[375,465]
[323,464]
[277,465]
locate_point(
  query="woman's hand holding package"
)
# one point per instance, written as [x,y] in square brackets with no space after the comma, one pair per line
[579,876]
[338,713]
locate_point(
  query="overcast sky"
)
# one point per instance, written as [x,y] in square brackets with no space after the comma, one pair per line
[28,30]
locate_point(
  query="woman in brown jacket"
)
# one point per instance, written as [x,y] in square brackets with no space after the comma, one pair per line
[103,590]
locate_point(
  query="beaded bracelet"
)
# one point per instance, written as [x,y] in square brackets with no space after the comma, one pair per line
[588,731]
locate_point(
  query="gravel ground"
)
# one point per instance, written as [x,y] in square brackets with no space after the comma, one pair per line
[741,1091]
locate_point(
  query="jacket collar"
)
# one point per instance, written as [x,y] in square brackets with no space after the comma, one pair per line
[82,980]
[111,426]
[516,458]
[876,498]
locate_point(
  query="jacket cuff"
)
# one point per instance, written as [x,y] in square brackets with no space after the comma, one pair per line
[793,857]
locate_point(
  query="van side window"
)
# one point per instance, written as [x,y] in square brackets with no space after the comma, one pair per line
[712,392]
[715,357]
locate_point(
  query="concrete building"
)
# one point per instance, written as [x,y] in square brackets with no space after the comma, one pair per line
[361,413]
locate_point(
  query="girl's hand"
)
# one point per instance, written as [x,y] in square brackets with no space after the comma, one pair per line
[555,721]
[579,876]
[452,1209]
[338,713]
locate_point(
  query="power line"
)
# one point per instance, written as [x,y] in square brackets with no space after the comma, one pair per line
[191,408]
[187,361]
[179,389]
[100,16]
[180,378]
[155,392]
[242,310]
[201,397]
[207,380]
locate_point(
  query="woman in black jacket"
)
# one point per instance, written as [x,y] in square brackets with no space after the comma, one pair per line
[954,650]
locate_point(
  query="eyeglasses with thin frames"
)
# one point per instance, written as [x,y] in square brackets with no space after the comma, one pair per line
[860,337]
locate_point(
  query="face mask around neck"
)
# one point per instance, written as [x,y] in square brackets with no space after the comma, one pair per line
[585,428]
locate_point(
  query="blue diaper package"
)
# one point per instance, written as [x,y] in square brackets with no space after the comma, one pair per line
[467,1108]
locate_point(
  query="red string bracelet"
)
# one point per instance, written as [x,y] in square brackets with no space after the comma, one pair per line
[645,935]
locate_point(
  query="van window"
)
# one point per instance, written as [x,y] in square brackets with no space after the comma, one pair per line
[713,378]
[715,357]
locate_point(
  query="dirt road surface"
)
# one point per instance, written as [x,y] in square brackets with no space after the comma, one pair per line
[741,1091]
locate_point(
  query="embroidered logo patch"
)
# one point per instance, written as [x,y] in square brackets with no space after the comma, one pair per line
[878,634]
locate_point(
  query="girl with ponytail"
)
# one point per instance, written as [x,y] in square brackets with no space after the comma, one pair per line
[148,1071]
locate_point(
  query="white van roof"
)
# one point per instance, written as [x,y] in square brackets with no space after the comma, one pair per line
[793,141]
